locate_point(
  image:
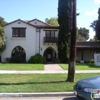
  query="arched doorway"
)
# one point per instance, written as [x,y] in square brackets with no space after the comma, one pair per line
[50,54]
[18,51]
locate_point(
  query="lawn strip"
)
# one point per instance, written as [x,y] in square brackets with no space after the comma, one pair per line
[16,83]
[26,66]
[80,66]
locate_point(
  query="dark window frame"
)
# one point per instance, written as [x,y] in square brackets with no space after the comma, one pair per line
[50,36]
[18,51]
[18,32]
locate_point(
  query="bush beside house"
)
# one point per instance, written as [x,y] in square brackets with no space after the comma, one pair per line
[37,59]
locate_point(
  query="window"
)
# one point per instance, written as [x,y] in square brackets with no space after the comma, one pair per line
[50,36]
[50,33]
[98,58]
[18,51]
[18,32]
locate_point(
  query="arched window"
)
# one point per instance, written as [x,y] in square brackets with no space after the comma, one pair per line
[18,51]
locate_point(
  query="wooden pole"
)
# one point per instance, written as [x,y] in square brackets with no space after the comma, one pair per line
[72,56]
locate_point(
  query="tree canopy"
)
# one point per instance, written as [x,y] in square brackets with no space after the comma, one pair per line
[96,26]
[93,25]
[2,22]
[2,34]
[82,34]
[52,21]
[2,40]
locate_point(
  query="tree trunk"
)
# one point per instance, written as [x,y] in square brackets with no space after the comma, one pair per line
[72,57]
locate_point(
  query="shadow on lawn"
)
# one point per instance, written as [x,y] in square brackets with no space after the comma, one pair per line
[91,65]
[33,83]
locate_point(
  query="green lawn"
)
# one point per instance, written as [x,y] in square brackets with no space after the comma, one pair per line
[80,66]
[15,83]
[11,66]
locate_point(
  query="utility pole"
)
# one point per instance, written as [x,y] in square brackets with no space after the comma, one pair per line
[72,56]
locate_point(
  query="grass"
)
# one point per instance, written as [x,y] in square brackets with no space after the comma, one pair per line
[15,83]
[79,66]
[11,66]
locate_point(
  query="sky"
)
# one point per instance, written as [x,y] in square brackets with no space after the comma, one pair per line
[12,10]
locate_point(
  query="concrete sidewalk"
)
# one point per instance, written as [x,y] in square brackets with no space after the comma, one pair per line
[48,69]
[46,72]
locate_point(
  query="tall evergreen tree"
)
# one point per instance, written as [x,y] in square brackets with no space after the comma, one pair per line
[64,31]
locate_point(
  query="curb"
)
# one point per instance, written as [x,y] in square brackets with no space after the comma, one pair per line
[47,94]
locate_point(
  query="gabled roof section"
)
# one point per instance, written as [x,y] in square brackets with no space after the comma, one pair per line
[44,24]
[21,21]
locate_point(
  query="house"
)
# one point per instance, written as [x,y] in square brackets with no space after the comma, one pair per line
[27,38]
[86,50]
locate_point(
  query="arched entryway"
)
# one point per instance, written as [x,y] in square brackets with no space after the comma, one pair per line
[18,51]
[50,54]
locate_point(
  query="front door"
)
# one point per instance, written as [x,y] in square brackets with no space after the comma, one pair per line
[49,54]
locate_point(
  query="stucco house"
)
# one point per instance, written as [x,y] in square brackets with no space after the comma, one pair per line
[27,38]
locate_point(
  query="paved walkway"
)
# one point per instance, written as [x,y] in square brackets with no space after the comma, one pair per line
[53,67]
[48,69]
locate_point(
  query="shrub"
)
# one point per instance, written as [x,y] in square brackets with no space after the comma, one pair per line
[56,60]
[17,59]
[91,61]
[37,59]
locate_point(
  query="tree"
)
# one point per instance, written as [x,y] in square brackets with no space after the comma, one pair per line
[52,21]
[2,22]
[83,34]
[97,29]
[2,34]
[96,26]
[64,30]
[93,25]
[2,38]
